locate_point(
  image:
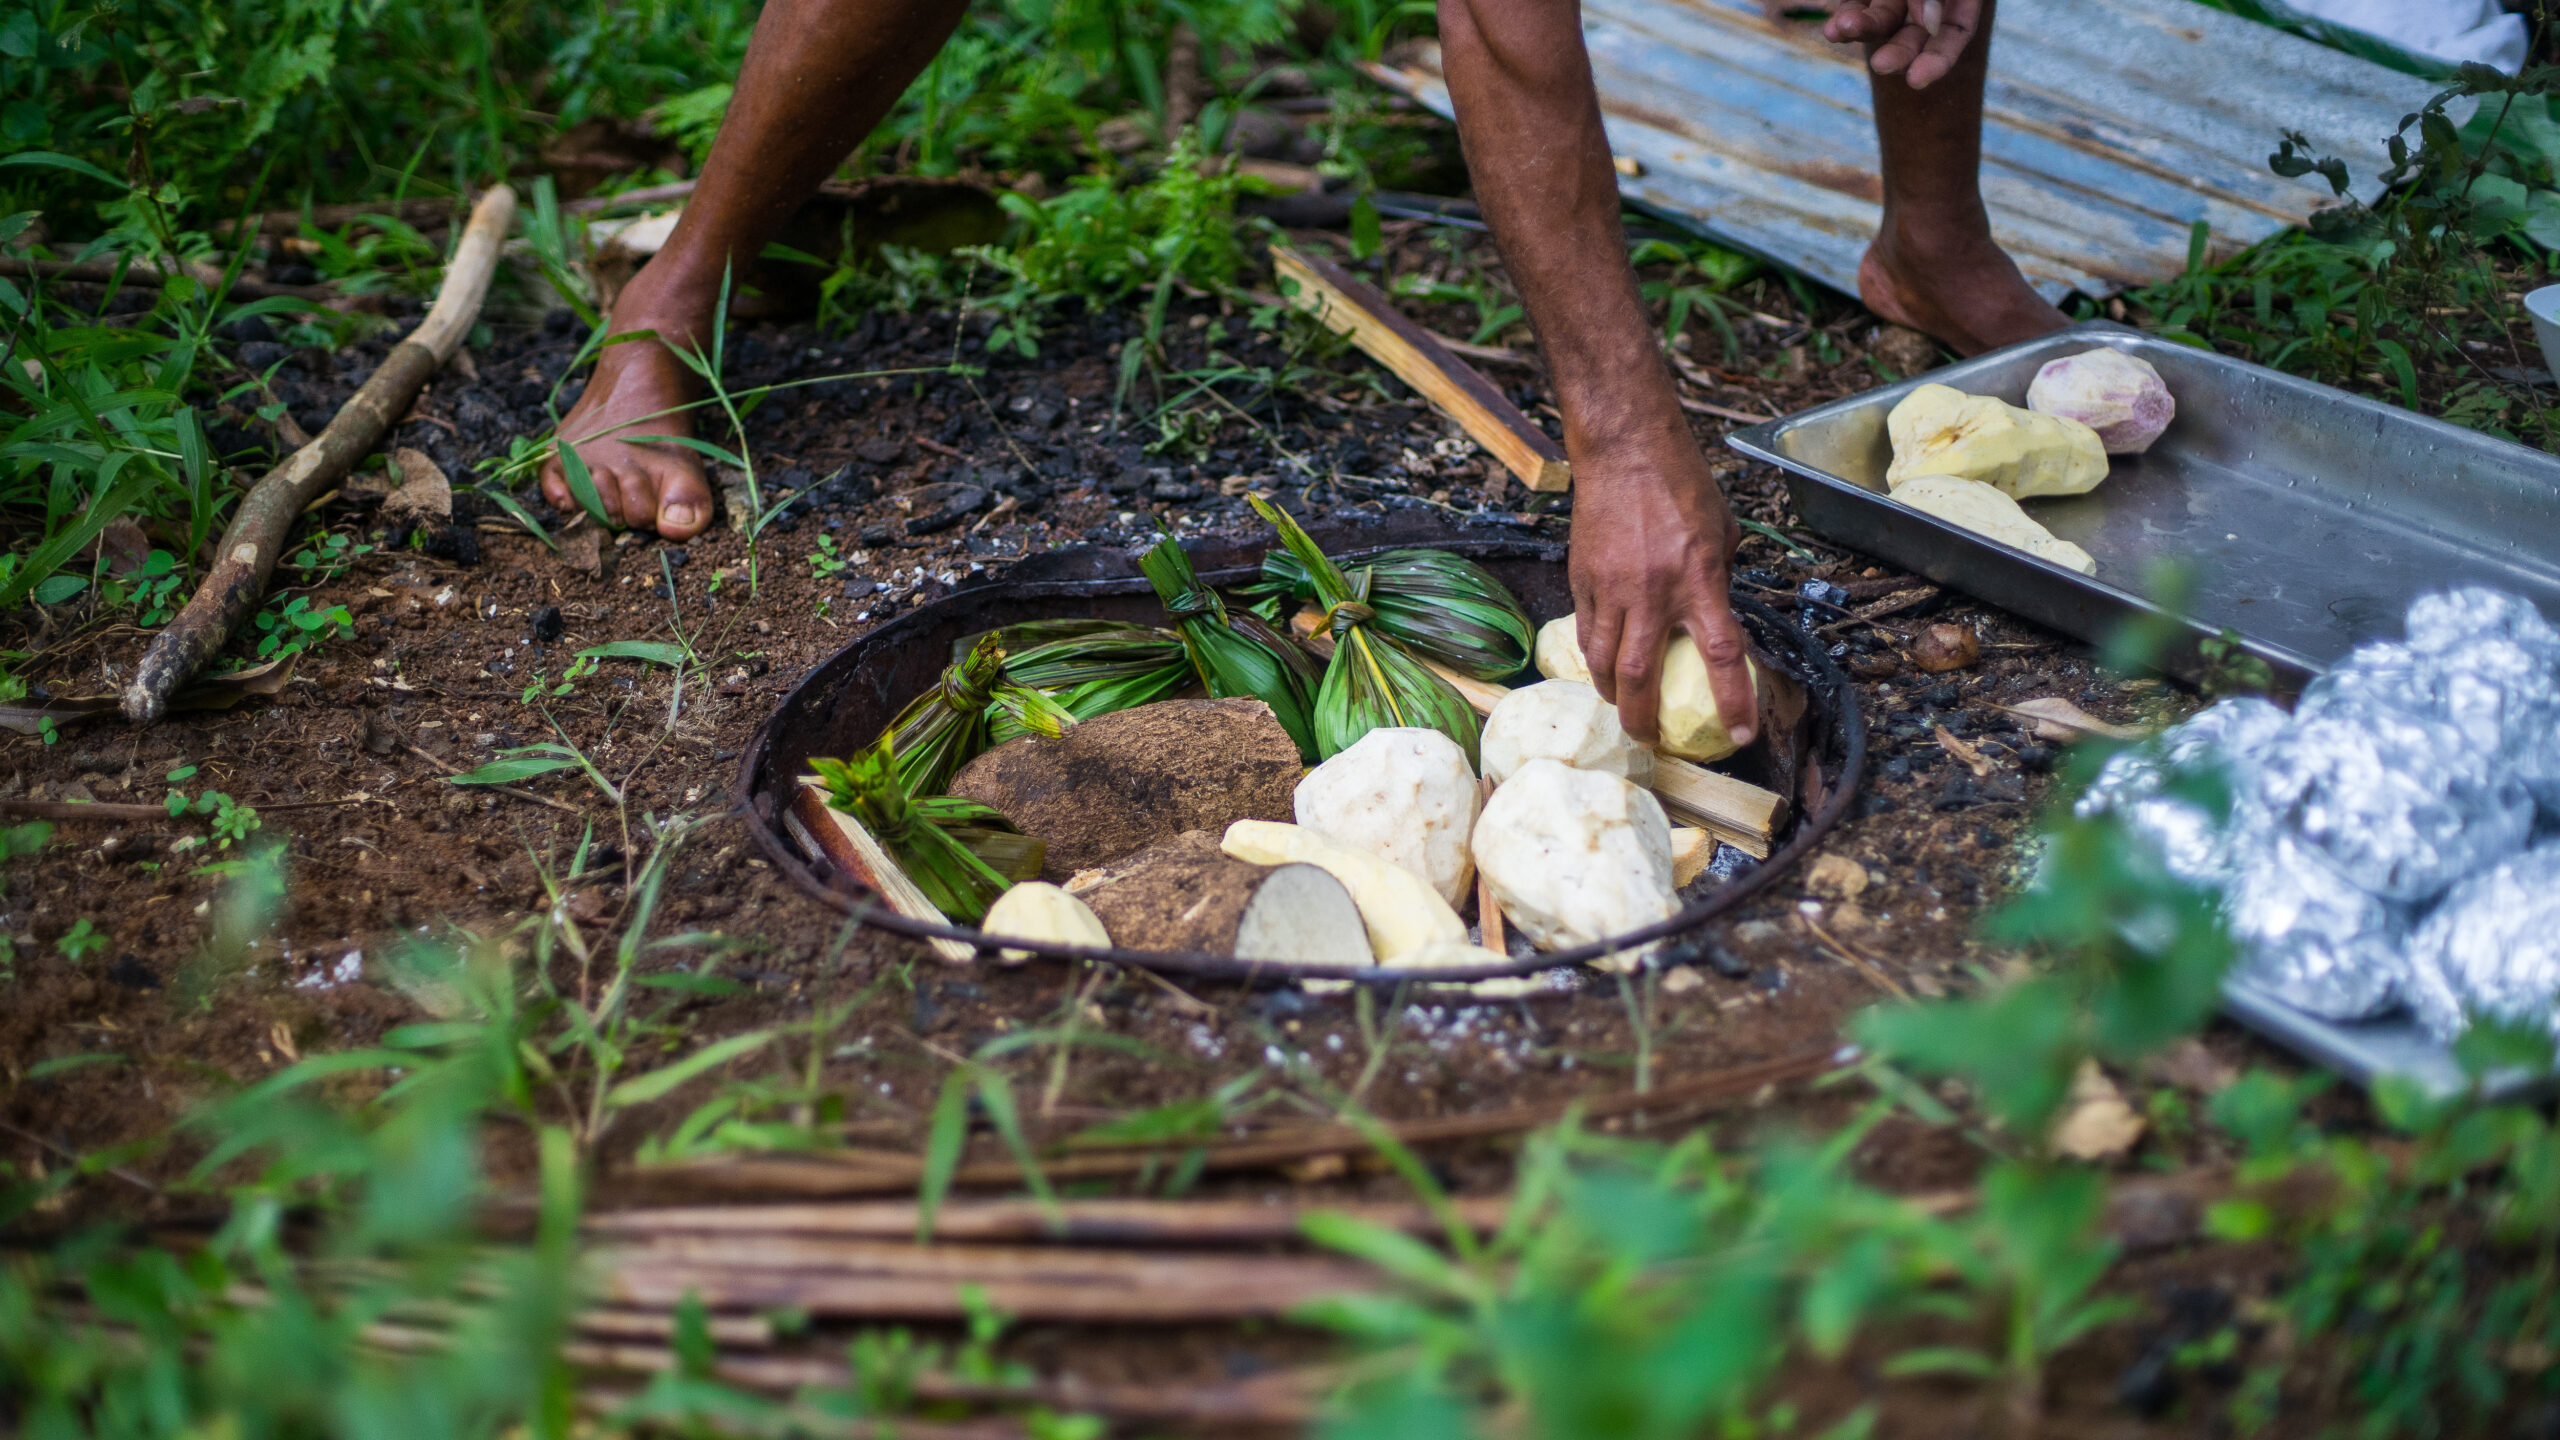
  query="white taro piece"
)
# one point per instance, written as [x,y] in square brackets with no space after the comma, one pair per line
[1938,430]
[1576,856]
[2118,395]
[1038,910]
[1986,511]
[1692,727]
[1559,720]
[1402,912]
[1404,795]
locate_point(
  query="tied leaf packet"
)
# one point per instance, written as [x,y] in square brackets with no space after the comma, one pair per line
[1373,681]
[960,853]
[1441,606]
[1237,654]
[942,729]
[1086,667]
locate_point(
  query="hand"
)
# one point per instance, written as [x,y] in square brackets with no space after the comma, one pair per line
[1919,40]
[1652,553]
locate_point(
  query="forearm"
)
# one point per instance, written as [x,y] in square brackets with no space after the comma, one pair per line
[1530,121]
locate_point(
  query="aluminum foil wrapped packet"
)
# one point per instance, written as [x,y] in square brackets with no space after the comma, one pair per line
[2483,662]
[2403,805]
[2235,736]
[2492,948]
[2310,936]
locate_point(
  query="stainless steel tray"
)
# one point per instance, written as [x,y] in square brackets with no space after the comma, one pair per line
[2307,519]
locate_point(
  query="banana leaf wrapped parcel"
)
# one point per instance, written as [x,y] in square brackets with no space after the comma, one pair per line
[1088,668]
[1237,654]
[1443,607]
[1372,681]
[960,853]
[940,730]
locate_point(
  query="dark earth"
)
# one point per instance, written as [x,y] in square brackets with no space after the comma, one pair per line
[904,486]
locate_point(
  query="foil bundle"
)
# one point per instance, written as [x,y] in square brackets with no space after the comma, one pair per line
[2491,949]
[2196,845]
[2403,804]
[2483,662]
[2311,936]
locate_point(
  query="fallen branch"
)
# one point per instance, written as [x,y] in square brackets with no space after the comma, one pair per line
[104,272]
[1074,1222]
[1354,307]
[130,814]
[257,534]
[877,1172]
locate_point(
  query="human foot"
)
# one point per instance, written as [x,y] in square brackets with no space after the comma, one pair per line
[639,389]
[1964,291]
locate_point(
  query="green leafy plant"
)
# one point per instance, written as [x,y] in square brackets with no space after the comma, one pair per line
[83,942]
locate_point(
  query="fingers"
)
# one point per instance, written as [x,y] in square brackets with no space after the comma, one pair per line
[1721,644]
[1923,58]
[1595,631]
[1855,22]
[1637,670]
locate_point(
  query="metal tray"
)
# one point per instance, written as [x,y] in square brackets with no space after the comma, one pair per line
[2307,518]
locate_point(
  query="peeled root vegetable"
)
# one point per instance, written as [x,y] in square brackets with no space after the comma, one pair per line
[2118,395]
[1403,794]
[1576,857]
[1400,910]
[1038,910]
[1187,894]
[1692,728]
[1985,511]
[1937,430]
[1118,783]
[1561,720]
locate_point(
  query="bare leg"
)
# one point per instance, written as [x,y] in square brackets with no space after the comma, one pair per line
[1934,265]
[818,75]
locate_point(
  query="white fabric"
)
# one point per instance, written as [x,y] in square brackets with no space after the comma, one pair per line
[2450,30]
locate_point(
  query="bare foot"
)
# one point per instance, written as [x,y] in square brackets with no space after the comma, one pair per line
[635,391]
[1965,291]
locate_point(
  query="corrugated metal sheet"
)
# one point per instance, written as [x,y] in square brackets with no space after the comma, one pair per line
[2110,127]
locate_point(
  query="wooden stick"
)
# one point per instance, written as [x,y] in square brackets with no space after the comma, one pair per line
[266,515]
[102,272]
[888,1172]
[1077,1222]
[1489,909]
[868,1279]
[131,814]
[860,855]
[1354,307]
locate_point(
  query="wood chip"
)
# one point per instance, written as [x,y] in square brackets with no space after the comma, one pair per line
[2099,1124]
[1973,759]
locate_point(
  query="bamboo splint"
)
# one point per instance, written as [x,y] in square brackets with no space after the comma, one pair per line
[1354,307]
[860,855]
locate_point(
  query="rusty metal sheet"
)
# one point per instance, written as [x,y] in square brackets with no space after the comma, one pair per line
[2110,128]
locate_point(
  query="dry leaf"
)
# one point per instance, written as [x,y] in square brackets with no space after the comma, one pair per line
[2098,1124]
[582,547]
[1973,759]
[2058,720]
[425,496]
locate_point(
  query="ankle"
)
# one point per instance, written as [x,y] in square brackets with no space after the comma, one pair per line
[1935,233]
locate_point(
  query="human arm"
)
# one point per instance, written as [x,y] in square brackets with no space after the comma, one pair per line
[1652,539]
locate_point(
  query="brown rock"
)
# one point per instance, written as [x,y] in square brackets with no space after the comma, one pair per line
[1119,783]
[1946,647]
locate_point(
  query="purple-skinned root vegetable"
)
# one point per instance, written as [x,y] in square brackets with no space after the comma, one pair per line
[2118,395]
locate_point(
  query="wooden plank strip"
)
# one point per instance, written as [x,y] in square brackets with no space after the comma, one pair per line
[1354,307]
[1078,1222]
[861,856]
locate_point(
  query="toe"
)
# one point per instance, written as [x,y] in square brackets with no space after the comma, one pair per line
[684,502]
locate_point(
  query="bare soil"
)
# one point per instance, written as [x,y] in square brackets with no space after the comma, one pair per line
[453,625]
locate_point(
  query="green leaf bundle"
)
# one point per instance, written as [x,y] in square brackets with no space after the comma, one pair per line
[980,702]
[1087,668]
[1443,607]
[1237,656]
[1372,680]
[960,853]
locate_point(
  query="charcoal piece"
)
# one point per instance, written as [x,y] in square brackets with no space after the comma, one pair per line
[457,543]
[548,625]
[949,503]
[881,452]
